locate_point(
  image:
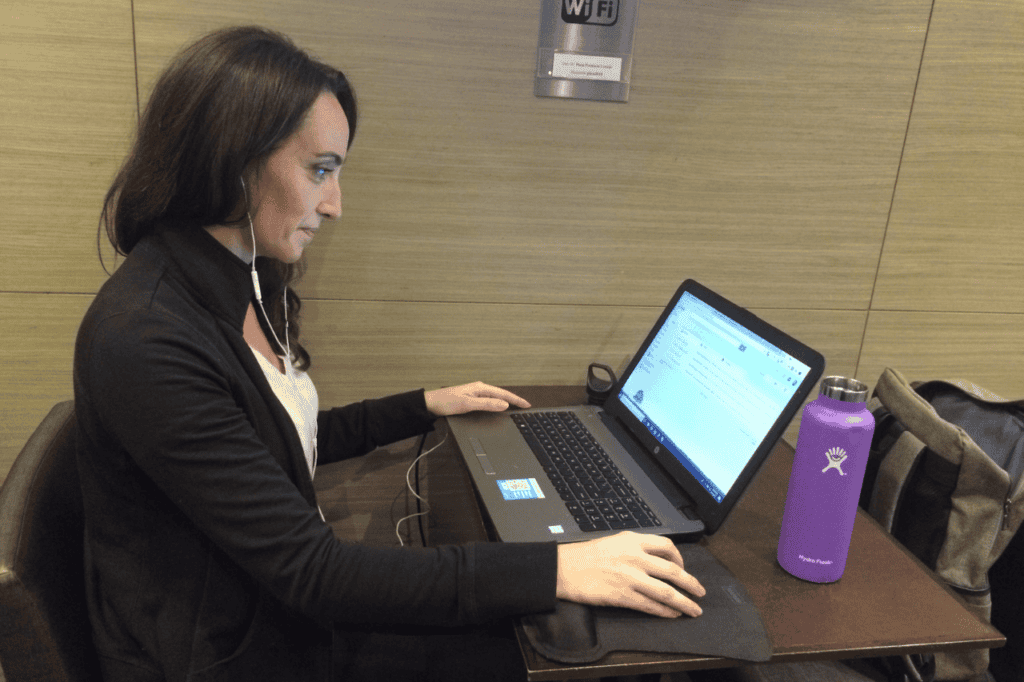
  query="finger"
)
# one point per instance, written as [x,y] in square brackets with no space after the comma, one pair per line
[655,597]
[652,607]
[667,598]
[488,405]
[657,577]
[632,595]
[508,397]
[689,583]
[668,551]
[663,561]
[513,399]
[662,547]
[675,574]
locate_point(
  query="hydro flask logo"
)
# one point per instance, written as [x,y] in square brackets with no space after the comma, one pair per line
[836,456]
[594,12]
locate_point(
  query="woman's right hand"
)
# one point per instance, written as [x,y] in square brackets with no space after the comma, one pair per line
[631,570]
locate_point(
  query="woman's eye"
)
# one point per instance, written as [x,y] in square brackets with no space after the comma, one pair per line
[321,173]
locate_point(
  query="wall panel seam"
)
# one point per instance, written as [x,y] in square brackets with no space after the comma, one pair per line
[135,59]
[90,294]
[546,304]
[895,187]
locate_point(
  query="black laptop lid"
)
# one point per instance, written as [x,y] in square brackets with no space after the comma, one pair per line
[710,392]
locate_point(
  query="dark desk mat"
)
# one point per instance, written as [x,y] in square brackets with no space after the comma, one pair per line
[730,625]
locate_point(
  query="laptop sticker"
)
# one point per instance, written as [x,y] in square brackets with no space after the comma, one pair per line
[520,489]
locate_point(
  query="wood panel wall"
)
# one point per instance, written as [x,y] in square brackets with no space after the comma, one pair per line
[850,171]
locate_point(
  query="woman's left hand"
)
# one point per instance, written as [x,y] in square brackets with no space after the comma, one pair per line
[469,397]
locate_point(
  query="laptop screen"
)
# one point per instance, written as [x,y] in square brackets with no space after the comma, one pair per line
[709,390]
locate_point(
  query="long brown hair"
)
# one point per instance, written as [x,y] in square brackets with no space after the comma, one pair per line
[221,108]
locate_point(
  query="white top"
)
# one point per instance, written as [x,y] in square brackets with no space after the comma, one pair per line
[298,395]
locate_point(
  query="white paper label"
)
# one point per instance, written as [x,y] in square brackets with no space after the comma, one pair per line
[587,67]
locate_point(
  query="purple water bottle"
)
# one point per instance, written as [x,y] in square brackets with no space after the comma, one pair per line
[828,470]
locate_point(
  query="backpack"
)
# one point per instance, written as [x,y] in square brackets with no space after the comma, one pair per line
[944,477]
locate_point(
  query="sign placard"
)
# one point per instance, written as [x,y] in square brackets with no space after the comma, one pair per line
[585,49]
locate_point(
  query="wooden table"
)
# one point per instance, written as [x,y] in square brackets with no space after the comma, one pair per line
[887,601]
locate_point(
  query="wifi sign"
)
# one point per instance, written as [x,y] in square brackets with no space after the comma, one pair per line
[594,12]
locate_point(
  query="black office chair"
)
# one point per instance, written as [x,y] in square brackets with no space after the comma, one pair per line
[44,627]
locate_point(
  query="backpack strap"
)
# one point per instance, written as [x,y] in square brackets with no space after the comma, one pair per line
[892,478]
[918,416]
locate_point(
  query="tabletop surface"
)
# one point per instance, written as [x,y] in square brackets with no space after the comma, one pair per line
[887,602]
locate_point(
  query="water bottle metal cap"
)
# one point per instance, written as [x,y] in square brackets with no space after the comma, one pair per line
[844,389]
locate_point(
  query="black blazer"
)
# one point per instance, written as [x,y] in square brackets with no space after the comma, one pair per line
[206,557]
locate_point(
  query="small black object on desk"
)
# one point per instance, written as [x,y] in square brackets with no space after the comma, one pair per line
[600,380]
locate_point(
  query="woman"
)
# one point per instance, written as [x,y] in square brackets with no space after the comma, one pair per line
[206,555]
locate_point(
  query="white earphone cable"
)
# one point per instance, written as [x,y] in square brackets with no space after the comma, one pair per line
[408,484]
[286,346]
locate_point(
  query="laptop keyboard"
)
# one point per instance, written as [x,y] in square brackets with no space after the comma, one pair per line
[594,490]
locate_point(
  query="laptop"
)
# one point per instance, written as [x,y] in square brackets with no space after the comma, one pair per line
[699,408]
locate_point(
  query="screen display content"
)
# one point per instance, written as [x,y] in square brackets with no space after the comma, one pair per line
[709,391]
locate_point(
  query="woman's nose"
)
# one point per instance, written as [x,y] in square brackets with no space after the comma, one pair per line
[330,207]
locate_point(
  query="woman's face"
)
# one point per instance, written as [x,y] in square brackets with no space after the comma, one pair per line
[300,183]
